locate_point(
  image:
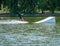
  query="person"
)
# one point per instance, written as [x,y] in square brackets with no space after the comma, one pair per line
[20,16]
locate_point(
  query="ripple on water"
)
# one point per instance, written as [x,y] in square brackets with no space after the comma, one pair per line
[29,35]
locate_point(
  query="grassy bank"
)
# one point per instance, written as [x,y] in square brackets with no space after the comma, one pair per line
[58,20]
[29,19]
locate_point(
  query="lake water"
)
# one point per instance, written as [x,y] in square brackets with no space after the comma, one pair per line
[29,35]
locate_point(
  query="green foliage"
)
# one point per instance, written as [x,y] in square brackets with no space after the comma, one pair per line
[58,4]
[42,5]
[52,5]
[30,6]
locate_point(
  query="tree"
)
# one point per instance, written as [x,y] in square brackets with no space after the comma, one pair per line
[26,6]
[1,1]
[58,4]
[30,6]
[52,5]
[42,4]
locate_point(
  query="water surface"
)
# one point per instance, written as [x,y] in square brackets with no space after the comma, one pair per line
[29,35]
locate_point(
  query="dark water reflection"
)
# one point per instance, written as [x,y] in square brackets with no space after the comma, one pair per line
[29,35]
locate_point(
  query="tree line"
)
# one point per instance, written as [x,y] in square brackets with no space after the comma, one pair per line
[30,6]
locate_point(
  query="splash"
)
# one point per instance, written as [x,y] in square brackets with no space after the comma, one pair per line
[12,22]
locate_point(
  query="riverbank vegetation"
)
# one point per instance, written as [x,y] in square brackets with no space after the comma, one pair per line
[29,19]
[30,6]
